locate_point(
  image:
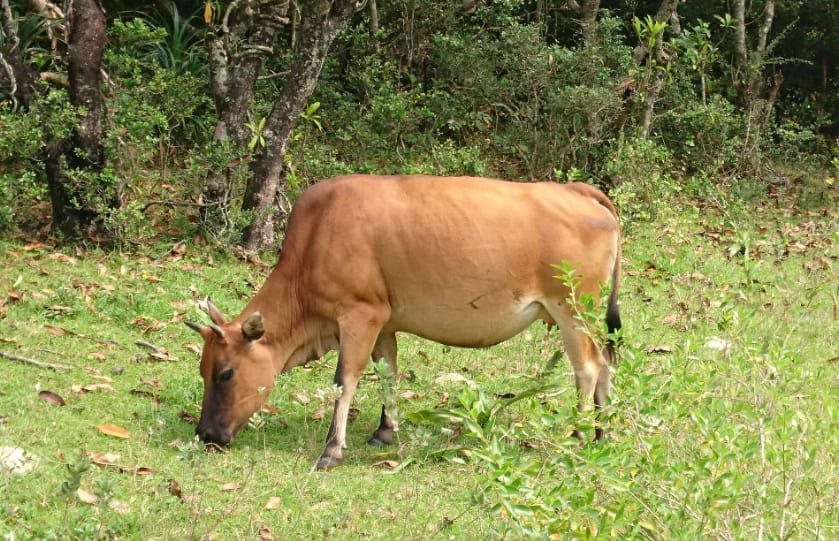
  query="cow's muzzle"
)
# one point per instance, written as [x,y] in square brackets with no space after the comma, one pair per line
[213,436]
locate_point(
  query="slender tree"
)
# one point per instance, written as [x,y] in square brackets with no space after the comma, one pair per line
[16,76]
[586,11]
[79,197]
[756,96]
[658,58]
[239,40]
[321,22]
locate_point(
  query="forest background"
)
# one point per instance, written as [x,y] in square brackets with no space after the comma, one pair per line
[212,117]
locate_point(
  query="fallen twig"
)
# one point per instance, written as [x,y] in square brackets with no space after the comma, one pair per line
[149,345]
[174,204]
[39,364]
[107,341]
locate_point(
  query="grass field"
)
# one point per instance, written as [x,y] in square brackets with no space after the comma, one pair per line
[724,421]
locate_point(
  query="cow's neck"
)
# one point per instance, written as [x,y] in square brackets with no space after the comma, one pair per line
[290,330]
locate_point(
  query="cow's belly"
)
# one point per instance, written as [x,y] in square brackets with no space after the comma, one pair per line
[483,322]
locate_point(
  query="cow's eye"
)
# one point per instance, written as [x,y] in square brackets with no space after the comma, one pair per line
[226,375]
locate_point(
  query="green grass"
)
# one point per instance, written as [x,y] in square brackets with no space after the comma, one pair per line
[724,421]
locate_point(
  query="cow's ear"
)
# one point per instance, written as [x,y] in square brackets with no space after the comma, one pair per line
[254,327]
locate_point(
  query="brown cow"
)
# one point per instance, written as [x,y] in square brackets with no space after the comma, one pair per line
[461,261]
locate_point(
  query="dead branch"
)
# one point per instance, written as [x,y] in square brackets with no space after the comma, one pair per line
[167,203]
[149,345]
[39,364]
[107,341]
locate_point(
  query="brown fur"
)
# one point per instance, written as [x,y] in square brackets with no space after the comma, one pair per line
[462,261]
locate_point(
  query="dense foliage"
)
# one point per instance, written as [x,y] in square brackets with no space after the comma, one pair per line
[516,89]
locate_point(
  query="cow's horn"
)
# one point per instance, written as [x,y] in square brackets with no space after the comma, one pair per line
[216,329]
[215,314]
[197,327]
[254,327]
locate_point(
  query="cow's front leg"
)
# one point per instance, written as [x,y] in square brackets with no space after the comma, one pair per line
[358,334]
[385,349]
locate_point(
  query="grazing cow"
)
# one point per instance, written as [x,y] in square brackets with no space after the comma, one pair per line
[461,261]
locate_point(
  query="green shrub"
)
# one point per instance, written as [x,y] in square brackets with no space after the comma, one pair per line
[642,172]
[705,136]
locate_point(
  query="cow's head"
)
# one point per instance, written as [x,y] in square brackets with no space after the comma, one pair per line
[238,374]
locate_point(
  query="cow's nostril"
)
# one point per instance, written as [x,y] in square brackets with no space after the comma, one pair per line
[213,438]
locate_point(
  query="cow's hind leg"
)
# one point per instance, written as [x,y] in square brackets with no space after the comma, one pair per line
[591,371]
[359,331]
[385,348]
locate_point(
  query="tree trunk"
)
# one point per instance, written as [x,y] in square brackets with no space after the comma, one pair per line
[321,22]
[740,50]
[233,81]
[373,13]
[587,12]
[588,17]
[749,78]
[666,14]
[73,165]
[15,75]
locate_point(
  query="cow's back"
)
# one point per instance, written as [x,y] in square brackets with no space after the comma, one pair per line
[460,260]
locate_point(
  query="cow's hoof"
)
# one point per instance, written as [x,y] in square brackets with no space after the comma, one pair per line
[381,438]
[376,441]
[327,463]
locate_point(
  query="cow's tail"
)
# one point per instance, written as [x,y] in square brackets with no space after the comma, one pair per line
[613,317]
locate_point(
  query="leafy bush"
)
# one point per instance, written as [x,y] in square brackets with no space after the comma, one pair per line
[642,172]
[25,135]
[707,136]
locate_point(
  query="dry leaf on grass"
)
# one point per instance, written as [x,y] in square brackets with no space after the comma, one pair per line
[408,394]
[64,258]
[162,355]
[662,348]
[273,502]
[454,377]
[387,464]
[93,387]
[175,489]
[51,398]
[229,487]
[103,459]
[265,534]
[111,460]
[188,417]
[86,497]
[301,397]
[113,430]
